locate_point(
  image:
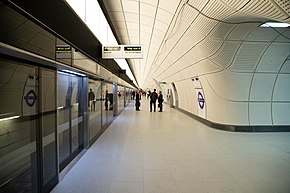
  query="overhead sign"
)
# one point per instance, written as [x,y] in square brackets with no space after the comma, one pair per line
[63,52]
[122,51]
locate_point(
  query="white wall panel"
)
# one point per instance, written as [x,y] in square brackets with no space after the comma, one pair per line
[248,56]
[181,94]
[282,88]
[281,113]
[262,87]
[241,31]
[284,37]
[274,57]
[263,34]
[286,66]
[260,113]
[220,110]
[230,85]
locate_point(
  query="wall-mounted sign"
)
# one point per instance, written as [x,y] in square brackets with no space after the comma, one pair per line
[122,51]
[201,100]
[201,104]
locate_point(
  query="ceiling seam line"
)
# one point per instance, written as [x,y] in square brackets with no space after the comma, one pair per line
[164,40]
[150,39]
[160,47]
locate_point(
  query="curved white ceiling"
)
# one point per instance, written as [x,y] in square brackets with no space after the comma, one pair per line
[184,38]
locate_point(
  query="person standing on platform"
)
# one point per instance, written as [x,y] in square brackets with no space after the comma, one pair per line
[137,104]
[133,95]
[160,101]
[153,98]
[106,100]
[92,102]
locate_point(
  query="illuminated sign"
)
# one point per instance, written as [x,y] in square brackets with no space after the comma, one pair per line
[63,48]
[132,48]
[112,48]
[122,51]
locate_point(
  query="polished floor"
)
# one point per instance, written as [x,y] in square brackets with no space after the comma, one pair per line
[169,152]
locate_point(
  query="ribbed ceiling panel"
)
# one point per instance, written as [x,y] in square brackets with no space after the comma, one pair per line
[217,10]
[284,4]
[204,25]
[222,30]
[264,9]
[235,4]
[224,57]
[198,4]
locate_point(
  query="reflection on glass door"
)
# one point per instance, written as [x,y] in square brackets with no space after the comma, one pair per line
[94,110]
[27,128]
[47,101]
[108,105]
[70,117]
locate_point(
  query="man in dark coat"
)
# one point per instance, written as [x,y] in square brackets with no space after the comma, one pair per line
[153,98]
[160,101]
[137,104]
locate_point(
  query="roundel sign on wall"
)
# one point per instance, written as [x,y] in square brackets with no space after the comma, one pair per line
[201,100]
[30,98]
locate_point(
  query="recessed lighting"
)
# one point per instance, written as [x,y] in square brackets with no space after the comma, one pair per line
[8,118]
[275,24]
[71,72]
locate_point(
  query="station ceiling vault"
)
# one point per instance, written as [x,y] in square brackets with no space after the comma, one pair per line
[185,38]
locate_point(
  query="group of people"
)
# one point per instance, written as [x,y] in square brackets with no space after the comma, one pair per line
[154,97]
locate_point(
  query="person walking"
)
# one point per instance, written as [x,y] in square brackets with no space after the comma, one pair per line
[160,101]
[153,98]
[137,104]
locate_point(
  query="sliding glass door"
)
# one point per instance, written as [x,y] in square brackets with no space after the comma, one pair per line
[70,116]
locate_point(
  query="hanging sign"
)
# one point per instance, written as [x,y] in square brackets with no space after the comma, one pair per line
[122,51]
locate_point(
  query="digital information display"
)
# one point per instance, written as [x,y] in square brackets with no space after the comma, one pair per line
[122,51]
